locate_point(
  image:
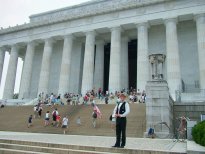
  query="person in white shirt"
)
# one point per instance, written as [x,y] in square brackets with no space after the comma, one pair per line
[120,111]
[65,124]
[35,111]
[47,118]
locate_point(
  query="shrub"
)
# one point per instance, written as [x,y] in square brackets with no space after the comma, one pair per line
[198,133]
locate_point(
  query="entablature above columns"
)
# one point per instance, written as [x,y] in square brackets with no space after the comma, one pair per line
[126,18]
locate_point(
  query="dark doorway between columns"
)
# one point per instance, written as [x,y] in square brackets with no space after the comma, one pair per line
[132,63]
[106,66]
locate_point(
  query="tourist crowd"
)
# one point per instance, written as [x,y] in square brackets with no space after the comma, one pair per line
[53,118]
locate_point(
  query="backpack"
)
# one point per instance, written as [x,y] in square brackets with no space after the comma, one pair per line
[94,115]
[110,118]
[54,114]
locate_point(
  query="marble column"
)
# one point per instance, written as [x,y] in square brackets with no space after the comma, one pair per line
[115,53]
[124,63]
[2,55]
[45,67]
[27,71]
[11,73]
[76,67]
[143,74]
[65,65]
[173,61]
[99,65]
[200,24]
[88,66]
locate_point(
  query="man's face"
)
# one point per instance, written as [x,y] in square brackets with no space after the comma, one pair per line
[122,98]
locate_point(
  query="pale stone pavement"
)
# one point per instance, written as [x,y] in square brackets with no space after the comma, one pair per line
[98,141]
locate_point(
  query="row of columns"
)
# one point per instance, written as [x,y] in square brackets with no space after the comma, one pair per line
[118,75]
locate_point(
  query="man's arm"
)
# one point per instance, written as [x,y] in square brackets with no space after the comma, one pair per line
[114,111]
[127,110]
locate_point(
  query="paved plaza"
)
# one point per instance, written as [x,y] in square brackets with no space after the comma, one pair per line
[167,145]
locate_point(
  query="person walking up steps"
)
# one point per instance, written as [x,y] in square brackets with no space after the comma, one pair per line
[58,118]
[96,114]
[30,121]
[65,124]
[47,118]
[55,114]
[120,111]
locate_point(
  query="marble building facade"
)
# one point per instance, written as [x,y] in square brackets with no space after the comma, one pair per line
[106,43]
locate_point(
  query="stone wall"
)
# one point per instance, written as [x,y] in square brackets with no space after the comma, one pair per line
[191,110]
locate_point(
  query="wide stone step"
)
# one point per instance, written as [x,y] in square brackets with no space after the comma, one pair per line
[14,151]
[6,147]
[41,147]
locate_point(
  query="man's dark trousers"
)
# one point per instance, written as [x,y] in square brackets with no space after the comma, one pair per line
[121,131]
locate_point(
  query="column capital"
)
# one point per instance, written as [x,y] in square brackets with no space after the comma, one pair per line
[32,43]
[199,17]
[98,42]
[173,20]
[116,28]
[49,41]
[3,48]
[91,32]
[6,47]
[142,24]
[16,46]
[69,36]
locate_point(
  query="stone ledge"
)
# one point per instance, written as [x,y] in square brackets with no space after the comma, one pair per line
[194,148]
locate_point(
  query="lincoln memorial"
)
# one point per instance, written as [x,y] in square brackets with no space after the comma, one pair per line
[107,43]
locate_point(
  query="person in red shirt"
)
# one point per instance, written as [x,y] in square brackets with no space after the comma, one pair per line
[58,118]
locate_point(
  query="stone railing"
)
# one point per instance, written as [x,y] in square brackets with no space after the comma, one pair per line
[191,96]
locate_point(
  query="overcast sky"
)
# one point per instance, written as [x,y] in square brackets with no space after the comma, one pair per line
[13,12]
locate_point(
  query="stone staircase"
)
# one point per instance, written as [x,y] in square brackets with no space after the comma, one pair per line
[135,121]
[14,118]
[28,147]
[25,147]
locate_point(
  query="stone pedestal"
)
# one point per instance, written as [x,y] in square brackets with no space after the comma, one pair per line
[190,125]
[159,112]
